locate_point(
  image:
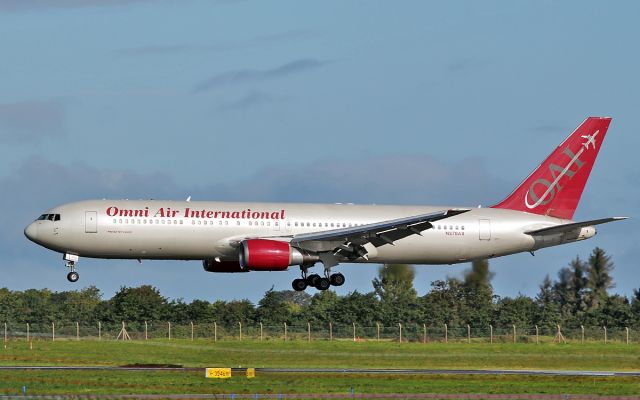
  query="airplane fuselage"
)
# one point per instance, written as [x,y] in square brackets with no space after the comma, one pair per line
[153,229]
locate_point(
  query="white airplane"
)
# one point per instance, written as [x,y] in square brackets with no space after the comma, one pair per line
[242,237]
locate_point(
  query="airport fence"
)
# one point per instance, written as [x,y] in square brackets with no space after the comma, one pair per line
[401,333]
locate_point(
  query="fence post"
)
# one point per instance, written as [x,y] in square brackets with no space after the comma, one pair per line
[260,330]
[605,334]
[378,331]
[537,337]
[354,331]
[169,330]
[627,333]
[192,331]
[240,328]
[308,331]
[99,331]
[424,333]
[27,331]
[468,334]
[514,333]
[215,331]
[146,331]
[446,334]
[490,333]
[400,327]
[582,333]
[5,332]
[77,330]
[53,331]
[330,331]
[285,331]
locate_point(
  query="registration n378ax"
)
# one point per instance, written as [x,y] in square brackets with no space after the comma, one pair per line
[243,237]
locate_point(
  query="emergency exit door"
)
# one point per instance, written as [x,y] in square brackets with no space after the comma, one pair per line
[484,226]
[90,221]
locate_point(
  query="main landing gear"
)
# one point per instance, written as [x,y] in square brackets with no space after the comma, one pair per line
[317,281]
[71,260]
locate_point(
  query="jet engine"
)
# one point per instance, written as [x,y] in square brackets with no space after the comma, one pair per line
[222,266]
[272,255]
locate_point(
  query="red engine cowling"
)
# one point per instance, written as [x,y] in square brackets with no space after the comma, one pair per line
[268,255]
[222,266]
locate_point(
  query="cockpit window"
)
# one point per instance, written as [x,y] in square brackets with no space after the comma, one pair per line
[50,217]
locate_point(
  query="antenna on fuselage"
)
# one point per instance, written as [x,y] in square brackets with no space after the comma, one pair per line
[189,199]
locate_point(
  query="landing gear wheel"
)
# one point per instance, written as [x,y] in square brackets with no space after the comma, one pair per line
[299,285]
[323,284]
[337,280]
[73,276]
[312,280]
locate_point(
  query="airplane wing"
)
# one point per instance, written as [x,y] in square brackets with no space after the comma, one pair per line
[572,226]
[351,242]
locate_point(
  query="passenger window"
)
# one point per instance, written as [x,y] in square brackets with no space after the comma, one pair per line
[126,221]
[296,224]
[220,222]
[181,222]
[462,227]
[114,220]
[226,222]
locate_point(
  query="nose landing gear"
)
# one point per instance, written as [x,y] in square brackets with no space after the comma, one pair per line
[71,260]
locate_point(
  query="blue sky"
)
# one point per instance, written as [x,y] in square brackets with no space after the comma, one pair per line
[409,102]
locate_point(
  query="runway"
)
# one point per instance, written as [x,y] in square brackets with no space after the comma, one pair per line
[359,371]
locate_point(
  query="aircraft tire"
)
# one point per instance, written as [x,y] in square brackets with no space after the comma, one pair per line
[323,284]
[312,280]
[73,276]
[299,285]
[337,279]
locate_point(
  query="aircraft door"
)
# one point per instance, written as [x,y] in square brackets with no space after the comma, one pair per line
[91,222]
[484,230]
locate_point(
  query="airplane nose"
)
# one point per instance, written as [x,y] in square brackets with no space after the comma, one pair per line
[31,232]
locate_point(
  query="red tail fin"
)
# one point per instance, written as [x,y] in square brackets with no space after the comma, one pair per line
[555,187]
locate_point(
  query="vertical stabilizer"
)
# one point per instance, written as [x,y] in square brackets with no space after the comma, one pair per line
[555,187]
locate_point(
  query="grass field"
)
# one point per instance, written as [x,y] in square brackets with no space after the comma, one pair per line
[338,354]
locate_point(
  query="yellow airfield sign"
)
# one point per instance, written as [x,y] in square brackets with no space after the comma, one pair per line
[218,373]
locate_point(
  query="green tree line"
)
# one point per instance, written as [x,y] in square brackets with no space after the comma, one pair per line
[578,296]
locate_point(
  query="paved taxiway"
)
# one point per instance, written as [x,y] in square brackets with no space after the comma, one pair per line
[352,371]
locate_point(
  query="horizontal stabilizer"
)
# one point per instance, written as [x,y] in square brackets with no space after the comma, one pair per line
[572,226]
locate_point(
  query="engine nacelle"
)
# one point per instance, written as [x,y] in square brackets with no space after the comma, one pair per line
[271,255]
[222,266]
